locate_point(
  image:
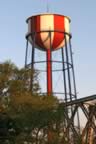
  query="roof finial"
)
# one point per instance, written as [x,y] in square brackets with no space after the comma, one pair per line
[47,6]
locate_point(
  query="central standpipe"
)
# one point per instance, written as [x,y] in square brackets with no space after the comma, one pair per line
[49,67]
[49,72]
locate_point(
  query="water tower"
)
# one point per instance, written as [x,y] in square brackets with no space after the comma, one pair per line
[48,34]
[49,37]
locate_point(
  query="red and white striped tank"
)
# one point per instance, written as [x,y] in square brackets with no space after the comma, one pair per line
[43,25]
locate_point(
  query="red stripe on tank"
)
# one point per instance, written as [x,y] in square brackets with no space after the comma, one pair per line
[59,25]
[38,39]
[35,27]
[32,26]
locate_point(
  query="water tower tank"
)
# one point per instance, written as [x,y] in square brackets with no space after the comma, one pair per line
[43,24]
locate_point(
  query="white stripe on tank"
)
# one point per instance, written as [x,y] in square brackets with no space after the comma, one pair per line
[67,30]
[47,23]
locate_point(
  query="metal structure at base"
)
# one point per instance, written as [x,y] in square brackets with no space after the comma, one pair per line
[87,108]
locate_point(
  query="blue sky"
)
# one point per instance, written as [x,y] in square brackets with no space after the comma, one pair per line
[13,28]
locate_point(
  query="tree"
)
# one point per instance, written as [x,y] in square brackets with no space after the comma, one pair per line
[26,116]
[14,87]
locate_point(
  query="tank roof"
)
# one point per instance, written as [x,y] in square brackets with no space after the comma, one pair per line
[48,14]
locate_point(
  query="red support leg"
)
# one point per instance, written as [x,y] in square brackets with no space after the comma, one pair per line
[49,72]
